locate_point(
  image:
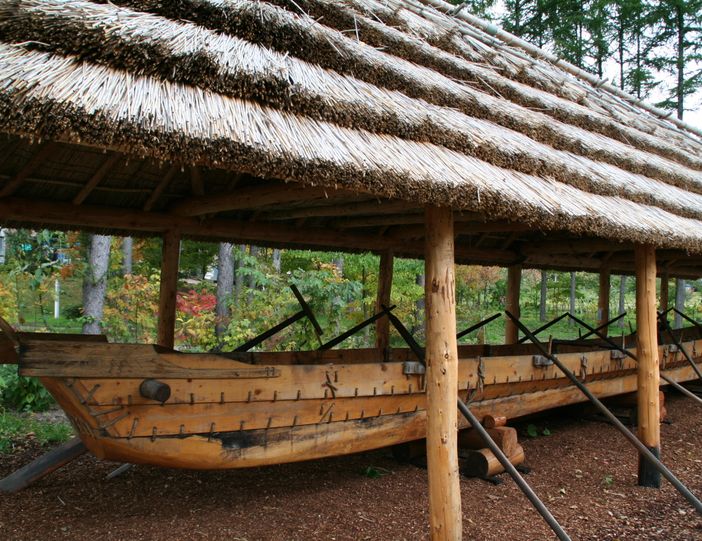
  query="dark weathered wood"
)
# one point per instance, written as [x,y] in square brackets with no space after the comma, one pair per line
[42,466]
[170,257]
[382,325]
[603,299]
[514,280]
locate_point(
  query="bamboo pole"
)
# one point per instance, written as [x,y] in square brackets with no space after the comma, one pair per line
[514,280]
[442,377]
[603,300]
[170,256]
[382,325]
[648,369]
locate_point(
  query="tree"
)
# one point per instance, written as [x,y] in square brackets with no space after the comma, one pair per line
[679,301]
[677,46]
[127,250]
[598,26]
[95,282]
[542,297]
[630,20]
[225,285]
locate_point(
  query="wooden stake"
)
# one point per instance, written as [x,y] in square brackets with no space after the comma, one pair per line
[514,280]
[382,326]
[665,281]
[442,376]
[170,256]
[648,369]
[603,301]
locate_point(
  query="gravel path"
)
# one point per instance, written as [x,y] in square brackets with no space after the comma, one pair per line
[584,471]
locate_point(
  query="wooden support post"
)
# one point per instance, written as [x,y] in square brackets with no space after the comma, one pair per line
[42,466]
[442,376]
[382,325]
[665,282]
[170,256]
[648,369]
[514,281]
[603,300]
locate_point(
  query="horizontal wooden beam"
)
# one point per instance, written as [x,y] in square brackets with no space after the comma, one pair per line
[360,208]
[397,219]
[465,228]
[574,246]
[254,197]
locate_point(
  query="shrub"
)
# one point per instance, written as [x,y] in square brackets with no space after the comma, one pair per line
[22,393]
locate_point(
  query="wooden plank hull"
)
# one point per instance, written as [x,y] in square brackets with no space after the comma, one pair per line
[224,413]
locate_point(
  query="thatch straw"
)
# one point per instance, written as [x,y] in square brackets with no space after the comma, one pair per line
[303,37]
[49,96]
[375,32]
[183,52]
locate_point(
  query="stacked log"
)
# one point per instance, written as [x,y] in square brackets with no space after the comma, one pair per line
[477,460]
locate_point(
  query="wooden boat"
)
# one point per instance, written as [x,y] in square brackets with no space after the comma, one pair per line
[250,409]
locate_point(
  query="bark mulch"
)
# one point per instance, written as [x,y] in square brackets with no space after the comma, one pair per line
[584,471]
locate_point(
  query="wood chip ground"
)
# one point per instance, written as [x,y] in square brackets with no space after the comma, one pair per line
[584,471]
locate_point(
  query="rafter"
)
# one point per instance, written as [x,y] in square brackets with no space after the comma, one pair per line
[12,185]
[160,187]
[97,177]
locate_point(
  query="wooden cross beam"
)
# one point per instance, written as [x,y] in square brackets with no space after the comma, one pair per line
[253,197]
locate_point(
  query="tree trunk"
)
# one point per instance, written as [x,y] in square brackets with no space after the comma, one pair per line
[542,299]
[127,249]
[679,301]
[225,285]
[251,282]
[277,260]
[95,282]
[238,278]
[419,304]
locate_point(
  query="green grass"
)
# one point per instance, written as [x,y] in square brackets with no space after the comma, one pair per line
[14,427]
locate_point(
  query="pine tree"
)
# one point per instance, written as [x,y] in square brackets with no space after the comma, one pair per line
[677,42]
[630,20]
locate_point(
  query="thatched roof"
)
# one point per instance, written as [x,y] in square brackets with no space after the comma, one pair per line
[392,100]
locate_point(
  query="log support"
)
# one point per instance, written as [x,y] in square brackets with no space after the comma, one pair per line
[442,377]
[603,300]
[170,257]
[382,325]
[514,281]
[648,369]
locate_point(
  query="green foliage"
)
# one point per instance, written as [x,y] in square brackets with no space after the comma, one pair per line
[375,472]
[608,480]
[21,393]
[131,307]
[14,427]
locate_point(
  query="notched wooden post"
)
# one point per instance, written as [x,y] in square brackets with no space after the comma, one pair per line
[603,300]
[382,325]
[170,256]
[514,282]
[442,376]
[648,369]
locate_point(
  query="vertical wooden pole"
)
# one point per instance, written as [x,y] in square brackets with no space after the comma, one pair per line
[648,369]
[382,326]
[514,282]
[603,300]
[665,282]
[442,377]
[170,256]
